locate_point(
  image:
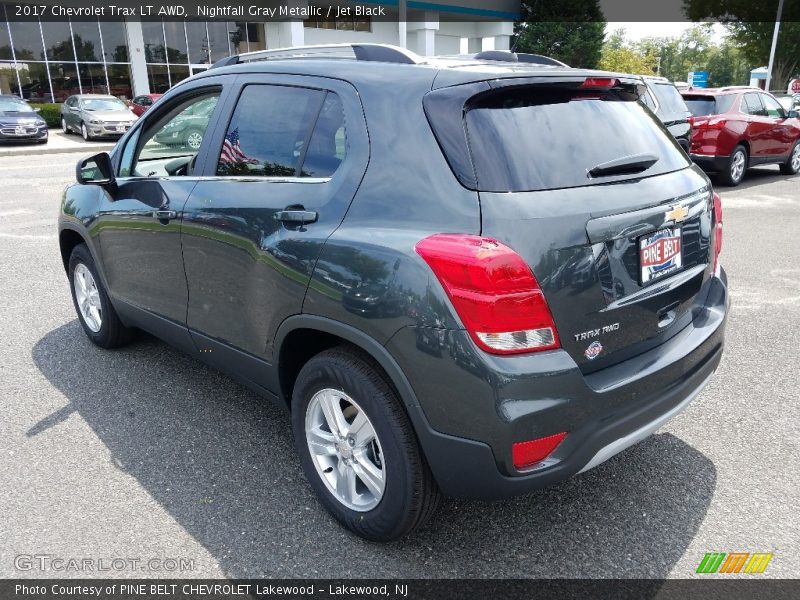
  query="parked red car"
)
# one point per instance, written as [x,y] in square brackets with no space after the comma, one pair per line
[735,128]
[140,104]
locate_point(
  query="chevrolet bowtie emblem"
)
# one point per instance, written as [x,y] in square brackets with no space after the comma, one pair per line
[676,213]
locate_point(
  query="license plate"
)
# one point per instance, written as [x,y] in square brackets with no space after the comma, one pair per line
[660,254]
[19,130]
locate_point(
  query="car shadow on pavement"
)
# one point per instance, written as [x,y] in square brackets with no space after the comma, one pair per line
[754,178]
[220,461]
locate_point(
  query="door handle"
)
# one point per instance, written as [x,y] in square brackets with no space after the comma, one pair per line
[165,215]
[296,217]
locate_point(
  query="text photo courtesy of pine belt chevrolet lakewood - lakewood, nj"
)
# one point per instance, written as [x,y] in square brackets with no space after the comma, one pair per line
[455,299]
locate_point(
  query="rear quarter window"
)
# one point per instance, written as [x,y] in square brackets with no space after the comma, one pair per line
[670,102]
[528,139]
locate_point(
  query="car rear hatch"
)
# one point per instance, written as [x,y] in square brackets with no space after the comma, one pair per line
[590,190]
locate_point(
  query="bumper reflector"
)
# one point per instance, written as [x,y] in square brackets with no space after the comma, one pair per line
[527,454]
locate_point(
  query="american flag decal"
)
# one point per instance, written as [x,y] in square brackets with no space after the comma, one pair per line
[231,151]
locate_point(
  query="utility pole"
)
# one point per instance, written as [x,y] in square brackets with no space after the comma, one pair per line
[774,43]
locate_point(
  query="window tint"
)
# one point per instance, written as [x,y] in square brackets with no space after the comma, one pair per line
[702,106]
[670,102]
[536,140]
[327,146]
[270,133]
[751,105]
[773,107]
[169,145]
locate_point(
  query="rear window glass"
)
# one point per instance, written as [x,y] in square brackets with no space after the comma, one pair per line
[669,98]
[701,106]
[527,140]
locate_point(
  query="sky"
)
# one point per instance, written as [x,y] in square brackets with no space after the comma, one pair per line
[638,30]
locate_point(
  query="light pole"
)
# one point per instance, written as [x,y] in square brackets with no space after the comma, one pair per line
[774,43]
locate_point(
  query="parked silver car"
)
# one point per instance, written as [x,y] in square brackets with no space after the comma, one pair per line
[95,115]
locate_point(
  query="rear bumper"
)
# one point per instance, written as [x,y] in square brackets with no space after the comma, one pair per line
[710,163]
[603,413]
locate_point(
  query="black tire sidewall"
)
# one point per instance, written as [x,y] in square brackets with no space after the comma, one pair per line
[786,168]
[390,519]
[81,255]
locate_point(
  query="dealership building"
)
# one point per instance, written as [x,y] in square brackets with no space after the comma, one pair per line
[43,60]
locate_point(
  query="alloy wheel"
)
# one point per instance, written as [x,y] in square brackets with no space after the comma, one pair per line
[738,166]
[64,127]
[88,297]
[345,450]
[194,140]
[796,158]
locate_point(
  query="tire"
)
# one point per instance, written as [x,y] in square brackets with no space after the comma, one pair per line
[85,133]
[348,379]
[792,164]
[194,139]
[110,332]
[64,126]
[736,167]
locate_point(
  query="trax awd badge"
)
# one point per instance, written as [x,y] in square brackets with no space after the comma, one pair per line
[595,348]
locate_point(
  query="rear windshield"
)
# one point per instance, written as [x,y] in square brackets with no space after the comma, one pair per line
[701,106]
[670,102]
[528,140]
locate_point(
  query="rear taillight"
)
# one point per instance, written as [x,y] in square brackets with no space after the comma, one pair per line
[527,454]
[494,292]
[717,229]
[705,123]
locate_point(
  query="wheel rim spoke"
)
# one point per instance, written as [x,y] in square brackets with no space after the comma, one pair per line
[361,430]
[345,482]
[333,413]
[371,475]
[321,442]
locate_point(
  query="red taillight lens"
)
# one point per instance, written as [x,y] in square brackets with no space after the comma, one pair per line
[493,291]
[717,229]
[527,454]
[604,83]
[706,123]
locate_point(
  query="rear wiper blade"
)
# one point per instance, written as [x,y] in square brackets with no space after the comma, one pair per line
[624,165]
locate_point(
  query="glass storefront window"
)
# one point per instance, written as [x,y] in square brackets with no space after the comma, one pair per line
[5,41]
[153,42]
[178,73]
[57,41]
[198,42]
[27,40]
[115,42]
[93,78]
[64,79]
[86,37]
[119,78]
[8,79]
[176,43]
[158,77]
[218,40]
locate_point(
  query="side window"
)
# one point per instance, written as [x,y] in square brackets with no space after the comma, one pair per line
[752,105]
[773,107]
[270,133]
[168,145]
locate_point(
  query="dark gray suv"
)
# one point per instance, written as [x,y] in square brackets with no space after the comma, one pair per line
[468,276]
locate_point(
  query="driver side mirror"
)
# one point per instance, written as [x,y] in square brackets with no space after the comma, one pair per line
[95,170]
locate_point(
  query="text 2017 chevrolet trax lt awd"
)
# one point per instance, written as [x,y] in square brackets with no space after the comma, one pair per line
[459,276]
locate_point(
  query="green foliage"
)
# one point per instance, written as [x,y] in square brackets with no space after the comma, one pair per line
[673,57]
[51,113]
[751,25]
[570,32]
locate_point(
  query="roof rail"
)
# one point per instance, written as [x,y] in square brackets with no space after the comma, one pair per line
[362,52]
[728,88]
[508,56]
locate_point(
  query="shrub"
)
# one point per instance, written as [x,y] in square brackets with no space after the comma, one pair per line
[51,113]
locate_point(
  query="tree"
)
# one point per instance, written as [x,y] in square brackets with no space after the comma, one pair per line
[751,26]
[570,32]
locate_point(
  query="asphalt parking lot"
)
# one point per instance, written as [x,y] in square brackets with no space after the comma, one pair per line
[144,453]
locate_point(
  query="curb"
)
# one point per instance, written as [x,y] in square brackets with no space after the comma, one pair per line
[41,150]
